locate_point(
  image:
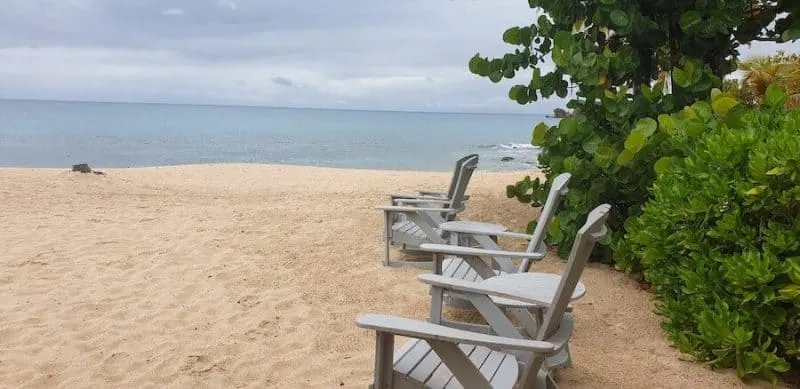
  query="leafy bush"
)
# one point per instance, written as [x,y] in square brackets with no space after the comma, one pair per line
[619,55]
[720,239]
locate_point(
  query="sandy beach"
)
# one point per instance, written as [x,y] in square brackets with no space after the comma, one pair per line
[251,276]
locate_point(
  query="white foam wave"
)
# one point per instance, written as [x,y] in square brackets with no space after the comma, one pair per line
[517,146]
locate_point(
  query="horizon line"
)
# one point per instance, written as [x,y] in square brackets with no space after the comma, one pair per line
[270,107]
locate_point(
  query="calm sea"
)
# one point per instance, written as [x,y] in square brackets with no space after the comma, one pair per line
[59,134]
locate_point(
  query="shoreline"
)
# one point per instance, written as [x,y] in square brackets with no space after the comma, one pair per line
[533,169]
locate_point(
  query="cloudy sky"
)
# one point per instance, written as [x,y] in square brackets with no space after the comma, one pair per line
[362,54]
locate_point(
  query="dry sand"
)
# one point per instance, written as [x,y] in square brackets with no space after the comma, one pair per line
[234,276]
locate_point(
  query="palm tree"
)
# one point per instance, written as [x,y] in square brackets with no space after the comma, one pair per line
[760,72]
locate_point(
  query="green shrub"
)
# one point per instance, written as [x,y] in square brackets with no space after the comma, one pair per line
[621,63]
[720,238]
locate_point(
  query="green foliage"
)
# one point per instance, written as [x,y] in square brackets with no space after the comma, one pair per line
[630,61]
[720,238]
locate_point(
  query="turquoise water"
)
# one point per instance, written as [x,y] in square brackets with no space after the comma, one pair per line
[59,134]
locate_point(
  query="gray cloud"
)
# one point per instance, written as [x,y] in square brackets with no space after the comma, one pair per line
[282,81]
[405,54]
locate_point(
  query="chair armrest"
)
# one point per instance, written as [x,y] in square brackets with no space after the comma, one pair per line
[457,285]
[431,193]
[477,252]
[401,209]
[397,196]
[461,229]
[508,234]
[423,330]
[438,194]
[423,201]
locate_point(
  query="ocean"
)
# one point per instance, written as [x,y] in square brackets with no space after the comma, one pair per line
[113,135]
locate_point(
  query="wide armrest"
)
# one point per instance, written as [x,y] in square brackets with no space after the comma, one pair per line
[396,208]
[438,194]
[515,235]
[476,252]
[471,229]
[457,285]
[423,330]
[431,193]
[399,196]
[423,201]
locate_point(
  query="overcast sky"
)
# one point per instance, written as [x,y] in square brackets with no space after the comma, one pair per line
[362,54]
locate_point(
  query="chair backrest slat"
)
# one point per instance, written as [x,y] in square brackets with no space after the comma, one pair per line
[464,176]
[457,173]
[558,190]
[592,231]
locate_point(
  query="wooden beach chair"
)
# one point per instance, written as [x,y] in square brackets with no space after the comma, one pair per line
[466,263]
[438,195]
[410,223]
[437,356]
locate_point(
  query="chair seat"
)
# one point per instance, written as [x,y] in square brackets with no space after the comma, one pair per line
[458,268]
[416,365]
[411,230]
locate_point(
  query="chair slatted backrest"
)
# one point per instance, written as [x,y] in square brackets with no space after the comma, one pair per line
[592,231]
[457,172]
[557,191]
[464,176]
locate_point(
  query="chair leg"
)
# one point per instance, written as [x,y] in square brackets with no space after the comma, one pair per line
[551,382]
[568,363]
[384,356]
[387,232]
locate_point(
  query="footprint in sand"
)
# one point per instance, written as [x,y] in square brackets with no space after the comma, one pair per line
[260,332]
[249,301]
[116,366]
[200,365]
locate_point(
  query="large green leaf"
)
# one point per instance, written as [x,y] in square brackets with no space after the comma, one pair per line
[569,127]
[619,18]
[538,134]
[604,155]
[723,105]
[562,40]
[681,77]
[666,122]
[635,141]
[775,97]
[478,65]
[690,19]
[624,157]
[590,145]
[646,126]
[512,36]
[663,164]
[519,93]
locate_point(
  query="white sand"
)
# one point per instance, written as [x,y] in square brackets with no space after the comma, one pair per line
[234,276]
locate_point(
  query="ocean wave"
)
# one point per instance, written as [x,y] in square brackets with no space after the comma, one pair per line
[515,146]
[509,146]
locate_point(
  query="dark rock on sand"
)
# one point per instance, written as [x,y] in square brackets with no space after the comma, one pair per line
[84,168]
[81,167]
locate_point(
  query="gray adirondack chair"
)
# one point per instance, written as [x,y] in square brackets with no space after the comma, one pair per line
[415,221]
[465,263]
[397,199]
[438,357]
